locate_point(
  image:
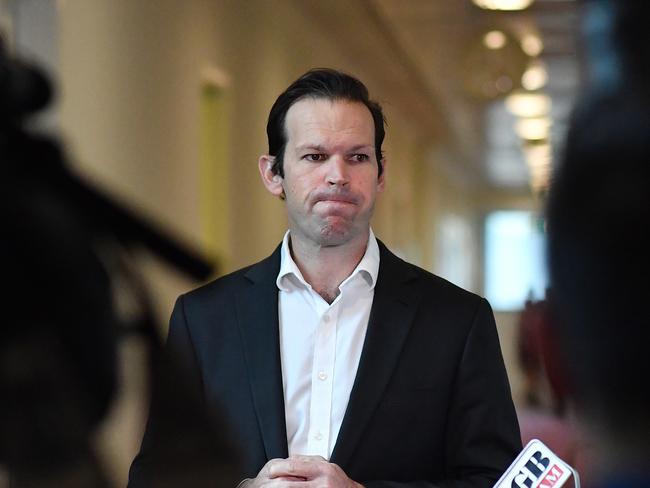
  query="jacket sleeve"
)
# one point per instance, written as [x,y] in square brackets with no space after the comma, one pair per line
[483,432]
[182,443]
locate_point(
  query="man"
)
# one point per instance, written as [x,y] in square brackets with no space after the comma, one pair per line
[334,362]
[598,213]
[597,218]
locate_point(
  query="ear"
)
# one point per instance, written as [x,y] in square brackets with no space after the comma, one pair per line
[381,182]
[272,181]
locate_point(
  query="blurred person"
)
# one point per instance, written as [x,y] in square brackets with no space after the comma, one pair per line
[598,211]
[60,259]
[529,356]
[57,342]
[547,412]
[335,362]
[545,382]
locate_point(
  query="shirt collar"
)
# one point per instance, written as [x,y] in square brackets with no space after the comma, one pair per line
[290,276]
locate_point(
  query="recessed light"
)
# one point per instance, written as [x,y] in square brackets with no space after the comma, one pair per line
[503,4]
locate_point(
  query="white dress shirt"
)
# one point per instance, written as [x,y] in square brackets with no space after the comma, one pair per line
[320,347]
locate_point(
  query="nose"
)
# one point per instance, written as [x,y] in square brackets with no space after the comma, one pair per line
[337,171]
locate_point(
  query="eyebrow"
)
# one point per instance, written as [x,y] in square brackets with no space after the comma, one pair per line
[310,147]
[361,146]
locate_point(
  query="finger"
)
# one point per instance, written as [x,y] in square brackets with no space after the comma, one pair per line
[275,469]
[297,466]
[307,457]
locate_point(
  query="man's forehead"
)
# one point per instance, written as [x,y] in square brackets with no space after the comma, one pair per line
[310,109]
[311,118]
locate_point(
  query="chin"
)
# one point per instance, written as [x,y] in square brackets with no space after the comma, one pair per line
[335,234]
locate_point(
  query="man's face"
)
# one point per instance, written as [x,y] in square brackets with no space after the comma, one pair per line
[330,171]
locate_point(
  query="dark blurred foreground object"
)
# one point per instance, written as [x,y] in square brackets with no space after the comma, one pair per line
[62,252]
[598,217]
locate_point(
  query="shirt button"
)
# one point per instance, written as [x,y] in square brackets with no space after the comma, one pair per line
[326,318]
[318,436]
[322,376]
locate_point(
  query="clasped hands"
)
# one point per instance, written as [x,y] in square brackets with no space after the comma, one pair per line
[301,472]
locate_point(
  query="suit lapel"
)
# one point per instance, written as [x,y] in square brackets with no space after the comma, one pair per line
[391,316]
[257,312]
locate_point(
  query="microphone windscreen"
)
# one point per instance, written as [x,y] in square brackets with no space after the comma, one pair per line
[537,466]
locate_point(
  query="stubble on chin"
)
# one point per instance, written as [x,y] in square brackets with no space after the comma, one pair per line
[335,231]
[335,228]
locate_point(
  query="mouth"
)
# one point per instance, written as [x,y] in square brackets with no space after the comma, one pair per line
[336,199]
[335,207]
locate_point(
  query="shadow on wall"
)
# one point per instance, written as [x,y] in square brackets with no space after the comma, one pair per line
[65,256]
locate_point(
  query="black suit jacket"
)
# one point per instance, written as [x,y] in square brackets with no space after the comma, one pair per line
[430,405]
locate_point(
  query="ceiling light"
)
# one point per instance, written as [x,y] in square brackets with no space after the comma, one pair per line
[535,77]
[533,129]
[532,45]
[524,104]
[494,39]
[503,4]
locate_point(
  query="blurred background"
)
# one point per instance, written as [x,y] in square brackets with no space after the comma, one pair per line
[163,104]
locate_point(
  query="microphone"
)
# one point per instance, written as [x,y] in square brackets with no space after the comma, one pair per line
[537,467]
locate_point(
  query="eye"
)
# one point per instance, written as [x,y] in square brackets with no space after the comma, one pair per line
[360,158]
[315,157]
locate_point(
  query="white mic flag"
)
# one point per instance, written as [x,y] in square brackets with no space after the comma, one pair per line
[537,467]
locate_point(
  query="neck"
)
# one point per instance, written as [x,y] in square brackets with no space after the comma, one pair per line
[326,267]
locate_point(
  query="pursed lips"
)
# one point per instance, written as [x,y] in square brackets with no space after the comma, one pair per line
[335,198]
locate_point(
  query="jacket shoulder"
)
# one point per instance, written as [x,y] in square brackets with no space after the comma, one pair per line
[430,284]
[265,270]
[448,289]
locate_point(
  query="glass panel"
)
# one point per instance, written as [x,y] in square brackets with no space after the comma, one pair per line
[514,259]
